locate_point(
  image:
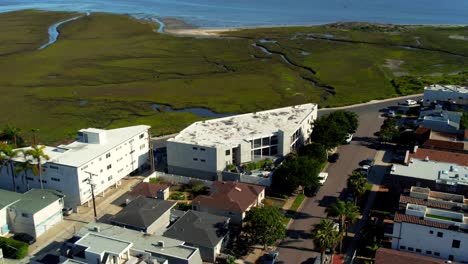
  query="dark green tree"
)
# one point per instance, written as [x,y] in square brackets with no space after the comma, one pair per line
[12,135]
[347,212]
[357,183]
[325,236]
[314,151]
[295,172]
[7,154]
[388,130]
[331,130]
[264,225]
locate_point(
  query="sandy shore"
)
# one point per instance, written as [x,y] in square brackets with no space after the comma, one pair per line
[178,27]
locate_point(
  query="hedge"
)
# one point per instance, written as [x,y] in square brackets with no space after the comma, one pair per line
[13,248]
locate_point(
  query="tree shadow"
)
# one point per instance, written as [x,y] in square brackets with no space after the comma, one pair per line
[326,201]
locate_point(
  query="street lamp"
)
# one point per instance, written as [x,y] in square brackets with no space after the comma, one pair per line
[90,182]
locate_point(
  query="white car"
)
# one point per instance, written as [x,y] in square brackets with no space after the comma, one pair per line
[391,113]
[348,139]
[323,177]
[410,102]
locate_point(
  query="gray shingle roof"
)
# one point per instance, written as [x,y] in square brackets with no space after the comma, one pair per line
[35,200]
[7,198]
[142,212]
[199,228]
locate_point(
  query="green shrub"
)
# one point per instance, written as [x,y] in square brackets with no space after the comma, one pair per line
[156,180]
[231,167]
[177,196]
[13,248]
[183,206]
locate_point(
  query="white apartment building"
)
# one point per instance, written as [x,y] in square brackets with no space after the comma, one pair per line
[450,93]
[432,224]
[206,147]
[104,155]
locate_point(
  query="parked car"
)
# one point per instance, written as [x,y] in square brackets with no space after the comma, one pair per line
[391,113]
[323,177]
[410,102]
[334,157]
[23,237]
[271,257]
[66,211]
[348,139]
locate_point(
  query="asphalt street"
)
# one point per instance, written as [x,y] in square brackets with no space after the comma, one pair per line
[298,246]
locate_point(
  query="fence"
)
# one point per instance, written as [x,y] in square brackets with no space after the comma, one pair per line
[176,178]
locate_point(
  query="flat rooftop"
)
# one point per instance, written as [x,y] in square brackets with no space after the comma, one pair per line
[442,172]
[230,131]
[99,244]
[78,153]
[447,88]
[141,241]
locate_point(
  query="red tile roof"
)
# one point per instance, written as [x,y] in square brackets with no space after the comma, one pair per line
[399,217]
[230,196]
[422,130]
[391,256]
[407,199]
[147,189]
[440,155]
[444,144]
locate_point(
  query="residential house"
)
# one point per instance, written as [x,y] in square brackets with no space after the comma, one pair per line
[33,212]
[460,159]
[230,199]
[391,256]
[202,230]
[99,157]
[437,175]
[205,148]
[103,243]
[441,120]
[454,142]
[144,214]
[433,224]
[446,93]
[7,198]
[150,190]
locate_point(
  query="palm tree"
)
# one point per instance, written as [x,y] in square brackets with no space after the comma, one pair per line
[12,133]
[347,212]
[325,236]
[7,154]
[24,168]
[38,155]
[34,131]
[357,184]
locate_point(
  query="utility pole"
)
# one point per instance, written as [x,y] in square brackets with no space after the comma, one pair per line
[90,182]
[151,153]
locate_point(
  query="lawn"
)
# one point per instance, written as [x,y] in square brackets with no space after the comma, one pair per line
[107,70]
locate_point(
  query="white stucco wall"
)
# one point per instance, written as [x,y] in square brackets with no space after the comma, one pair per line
[419,237]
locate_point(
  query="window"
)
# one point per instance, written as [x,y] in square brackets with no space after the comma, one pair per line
[410,249]
[101,170]
[142,146]
[228,152]
[440,234]
[55,179]
[107,155]
[53,167]
[202,149]
[142,135]
[431,232]
[418,250]
[266,141]
[84,168]
[30,179]
[402,247]
[274,140]
[428,252]
[195,159]
[436,254]
[109,178]
[456,243]
[451,258]
[257,143]
[194,148]
[109,166]
[202,160]
[25,215]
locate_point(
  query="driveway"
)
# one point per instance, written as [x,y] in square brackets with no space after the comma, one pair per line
[298,246]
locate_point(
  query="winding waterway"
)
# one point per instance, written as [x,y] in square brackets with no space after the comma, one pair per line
[202,112]
[54,33]
[243,13]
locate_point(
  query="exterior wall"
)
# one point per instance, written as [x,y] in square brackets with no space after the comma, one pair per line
[162,222]
[187,159]
[71,181]
[48,217]
[37,224]
[207,254]
[245,154]
[4,227]
[419,237]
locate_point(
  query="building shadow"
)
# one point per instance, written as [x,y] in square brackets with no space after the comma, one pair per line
[326,201]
